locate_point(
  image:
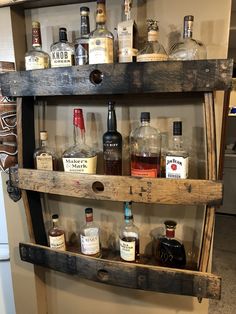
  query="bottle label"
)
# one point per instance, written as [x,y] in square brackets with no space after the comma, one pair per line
[61,59]
[90,244]
[127,250]
[125,41]
[151,173]
[81,165]
[36,62]
[176,167]
[147,57]
[44,162]
[58,242]
[100,50]
[81,53]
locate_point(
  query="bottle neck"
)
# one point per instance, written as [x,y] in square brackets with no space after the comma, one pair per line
[111,120]
[79,128]
[188,29]
[177,142]
[128,214]
[84,26]
[101,15]
[152,36]
[127,9]
[145,123]
[63,37]
[170,233]
[89,218]
[36,38]
[55,223]
[43,143]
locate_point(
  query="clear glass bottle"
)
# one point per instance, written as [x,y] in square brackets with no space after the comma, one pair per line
[188,48]
[44,157]
[56,235]
[177,158]
[36,58]
[82,43]
[145,146]
[62,52]
[153,49]
[171,252]
[101,40]
[129,236]
[112,144]
[79,157]
[89,236]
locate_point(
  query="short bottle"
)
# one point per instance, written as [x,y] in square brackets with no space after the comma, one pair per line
[79,157]
[101,40]
[129,236]
[153,49]
[62,52]
[36,58]
[89,236]
[112,144]
[56,235]
[44,157]
[188,48]
[177,158]
[171,252]
[82,43]
[145,146]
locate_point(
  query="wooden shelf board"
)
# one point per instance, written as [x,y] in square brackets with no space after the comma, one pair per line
[31,4]
[121,78]
[122,188]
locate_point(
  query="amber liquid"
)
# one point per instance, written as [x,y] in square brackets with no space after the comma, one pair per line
[151,162]
[132,239]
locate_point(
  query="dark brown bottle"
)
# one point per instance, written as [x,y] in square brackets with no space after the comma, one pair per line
[56,235]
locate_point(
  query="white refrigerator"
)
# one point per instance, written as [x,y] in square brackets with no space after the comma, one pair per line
[7,305]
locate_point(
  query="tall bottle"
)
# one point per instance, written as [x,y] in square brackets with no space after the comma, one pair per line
[127,35]
[177,157]
[101,40]
[82,43]
[188,48]
[112,144]
[129,236]
[89,236]
[79,157]
[56,235]
[36,58]
[145,145]
[62,52]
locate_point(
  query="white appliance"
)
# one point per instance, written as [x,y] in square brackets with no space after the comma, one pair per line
[7,304]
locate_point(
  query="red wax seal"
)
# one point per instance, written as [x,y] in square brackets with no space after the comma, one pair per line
[174,167]
[79,119]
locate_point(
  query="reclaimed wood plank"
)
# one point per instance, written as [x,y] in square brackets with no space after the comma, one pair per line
[122,188]
[129,275]
[31,4]
[121,78]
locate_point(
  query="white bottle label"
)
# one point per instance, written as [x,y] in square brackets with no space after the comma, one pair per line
[100,50]
[44,162]
[34,63]
[125,41]
[81,165]
[61,59]
[151,57]
[90,243]
[127,250]
[176,167]
[57,243]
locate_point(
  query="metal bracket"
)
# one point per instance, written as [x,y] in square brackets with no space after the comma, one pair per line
[12,184]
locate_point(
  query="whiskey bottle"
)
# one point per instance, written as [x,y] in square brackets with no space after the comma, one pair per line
[82,43]
[129,237]
[89,236]
[56,235]
[36,58]
[62,52]
[145,145]
[176,157]
[44,157]
[79,157]
[153,50]
[171,252]
[112,144]
[101,40]
[188,48]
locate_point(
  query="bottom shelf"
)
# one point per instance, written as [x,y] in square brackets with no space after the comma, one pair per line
[129,275]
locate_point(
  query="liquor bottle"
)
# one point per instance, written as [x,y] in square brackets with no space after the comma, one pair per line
[89,236]
[79,157]
[145,145]
[101,40]
[82,43]
[129,236]
[112,144]
[36,58]
[153,50]
[44,157]
[171,252]
[188,48]
[127,36]
[62,52]
[56,235]
[176,157]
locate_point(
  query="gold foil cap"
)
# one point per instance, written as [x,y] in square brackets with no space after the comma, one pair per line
[35,24]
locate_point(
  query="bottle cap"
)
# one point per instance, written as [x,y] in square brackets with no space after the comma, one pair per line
[177,128]
[88,210]
[111,105]
[189,18]
[78,118]
[145,116]
[84,10]
[63,34]
[35,24]
[101,1]
[170,228]
[55,217]
[43,135]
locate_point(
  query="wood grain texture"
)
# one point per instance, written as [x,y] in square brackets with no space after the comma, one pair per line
[122,188]
[123,78]
[30,4]
[129,275]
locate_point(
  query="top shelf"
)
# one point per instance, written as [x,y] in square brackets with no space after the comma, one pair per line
[31,4]
[121,78]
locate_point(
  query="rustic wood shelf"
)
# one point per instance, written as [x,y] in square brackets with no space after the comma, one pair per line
[31,4]
[122,188]
[129,275]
